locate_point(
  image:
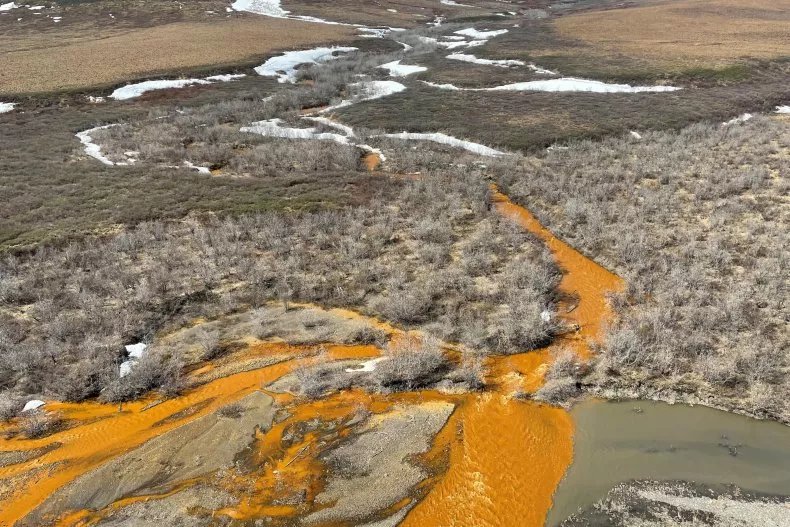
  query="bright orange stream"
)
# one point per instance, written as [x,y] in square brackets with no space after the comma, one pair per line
[511,455]
[506,456]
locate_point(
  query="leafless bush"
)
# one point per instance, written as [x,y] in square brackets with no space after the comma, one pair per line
[9,406]
[209,344]
[411,363]
[232,411]
[34,424]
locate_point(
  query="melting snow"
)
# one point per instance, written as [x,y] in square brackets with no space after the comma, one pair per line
[783,109]
[444,139]
[488,62]
[136,350]
[8,7]
[482,35]
[33,404]
[284,66]
[202,170]
[367,366]
[396,69]
[565,84]
[91,148]
[274,128]
[6,106]
[738,120]
[131,91]
[368,90]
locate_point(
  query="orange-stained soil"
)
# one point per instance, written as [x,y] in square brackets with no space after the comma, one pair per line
[510,455]
[497,461]
[371,160]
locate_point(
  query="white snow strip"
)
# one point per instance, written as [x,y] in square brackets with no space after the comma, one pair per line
[274,128]
[261,7]
[438,86]
[347,130]
[406,47]
[366,91]
[35,7]
[738,120]
[91,148]
[284,66]
[570,84]
[131,91]
[783,109]
[541,71]
[396,69]
[566,84]
[136,351]
[367,366]
[6,106]
[9,6]
[452,2]
[482,35]
[444,139]
[502,63]
[202,170]
[33,404]
[635,135]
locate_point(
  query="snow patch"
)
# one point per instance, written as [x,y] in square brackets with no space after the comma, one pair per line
[9,6]
[566,84]
[738,120]
[6,106]
[783,109]
[136,352]
[367,366]
[463,57]
[284,66]
[202,170]
[481,35]
[92,149]
[33,404]
[444,139]
[396,69]
[274,128]
[367,91]
[635,135]
[130,91]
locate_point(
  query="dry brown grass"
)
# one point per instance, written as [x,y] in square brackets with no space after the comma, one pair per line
[688,32]
[67,60]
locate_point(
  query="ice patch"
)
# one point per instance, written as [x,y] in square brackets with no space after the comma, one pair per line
[444,139]
[783,109]
[570,84]
[130,91]
[33,404]
[396,69]
[202,170]
[284,66]
[367,366]
[91,148]
[6,106]
[463,57]
[274,128]
[566,84]
[481,35]
[368,90]
[738,120]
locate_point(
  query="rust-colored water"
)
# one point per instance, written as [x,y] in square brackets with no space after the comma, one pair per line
[504,456]
[510,455]
[104,433]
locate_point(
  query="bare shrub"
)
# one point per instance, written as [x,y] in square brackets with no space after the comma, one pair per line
[10,406]
[35,424]
[209,344]
[411,363]
[232,411]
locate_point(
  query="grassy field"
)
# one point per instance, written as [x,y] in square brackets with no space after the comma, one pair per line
[686,34]
[88,48]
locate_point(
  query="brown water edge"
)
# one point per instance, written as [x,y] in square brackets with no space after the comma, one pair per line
[511,455]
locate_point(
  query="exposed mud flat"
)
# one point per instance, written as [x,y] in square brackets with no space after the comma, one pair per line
[681,504]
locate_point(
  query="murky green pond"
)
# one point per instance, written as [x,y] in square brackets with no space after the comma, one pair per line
[621,441]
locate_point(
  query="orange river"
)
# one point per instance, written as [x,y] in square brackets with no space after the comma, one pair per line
[504,457]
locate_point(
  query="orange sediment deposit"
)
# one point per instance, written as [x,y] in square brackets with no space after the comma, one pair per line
[371,160]
[503,468]
[581,276]
[104,432]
